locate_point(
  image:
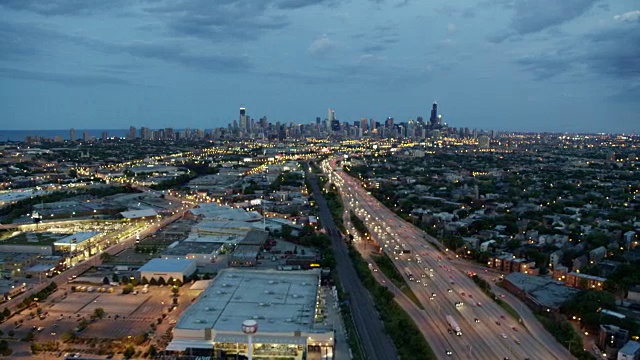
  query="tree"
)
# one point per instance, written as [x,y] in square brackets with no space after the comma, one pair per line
[115,278]
[161,281]
[153,351]
[128,352]
[286,231]
[106,281]
[98,313]
[29,337]
[127,289]
[153,281]
[4,348]
[144,280]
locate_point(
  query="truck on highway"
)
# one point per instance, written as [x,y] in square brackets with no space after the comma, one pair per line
[454,325]
[408,273]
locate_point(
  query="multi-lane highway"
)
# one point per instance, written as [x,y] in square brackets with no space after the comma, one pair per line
[487,331]
[375,342]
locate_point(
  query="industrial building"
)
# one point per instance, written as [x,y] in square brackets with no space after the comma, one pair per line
[166,269]
[287,306]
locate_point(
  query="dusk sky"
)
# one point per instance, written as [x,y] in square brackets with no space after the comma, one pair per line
[517,65]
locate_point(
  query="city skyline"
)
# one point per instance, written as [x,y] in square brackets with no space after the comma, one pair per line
[497,64]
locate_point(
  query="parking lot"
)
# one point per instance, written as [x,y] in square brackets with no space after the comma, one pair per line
[125,315]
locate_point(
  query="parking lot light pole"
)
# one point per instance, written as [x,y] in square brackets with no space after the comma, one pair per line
[249,327]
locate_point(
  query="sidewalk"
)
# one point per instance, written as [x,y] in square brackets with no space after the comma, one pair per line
[341,350]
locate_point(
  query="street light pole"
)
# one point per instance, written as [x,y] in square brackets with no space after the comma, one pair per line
[249,327]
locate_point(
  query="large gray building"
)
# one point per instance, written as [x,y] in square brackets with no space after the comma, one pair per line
[286,305]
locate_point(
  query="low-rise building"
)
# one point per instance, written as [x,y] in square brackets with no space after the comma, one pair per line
[611,338]
[166,269]
[509,263]
[630,351]
[584,281]
[540,293]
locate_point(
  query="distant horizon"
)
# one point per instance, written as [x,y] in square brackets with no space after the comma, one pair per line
[126,130]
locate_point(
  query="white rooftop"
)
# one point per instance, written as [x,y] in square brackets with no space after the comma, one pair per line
[281,302]
[76,238]
[137,214]
[166,265]
[214,211]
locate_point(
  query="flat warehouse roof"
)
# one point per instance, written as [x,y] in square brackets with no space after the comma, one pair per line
[166,265]
[280,301]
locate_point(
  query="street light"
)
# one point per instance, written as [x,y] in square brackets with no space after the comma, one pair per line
[249,327]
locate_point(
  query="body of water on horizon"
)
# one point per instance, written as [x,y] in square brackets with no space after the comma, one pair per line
[21,135]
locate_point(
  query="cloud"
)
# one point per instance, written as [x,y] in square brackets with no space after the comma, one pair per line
[544,66]
[296,4]
[451,28]
[177,54]
[631,16]
[615,51]
[321,46]
[66,79]
[610,53]
[62,7]
[22,41]
[227,20]
[373,48]
[533,16]
[457,11]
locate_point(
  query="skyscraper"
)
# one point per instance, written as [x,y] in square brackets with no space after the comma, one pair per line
[434,115]
[331,115]
[72,134]
[243,119]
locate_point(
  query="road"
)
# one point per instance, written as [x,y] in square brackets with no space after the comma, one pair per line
[488,332]
[375,342]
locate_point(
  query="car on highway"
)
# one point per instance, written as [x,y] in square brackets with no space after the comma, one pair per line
[502,317]
[504,336]
[478,304]
[449,290]
[433,294]
[514,328]
[476,320]
[517,341]
[449,353]
[498,323]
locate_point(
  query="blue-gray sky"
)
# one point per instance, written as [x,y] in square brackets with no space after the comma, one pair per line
[520,65]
